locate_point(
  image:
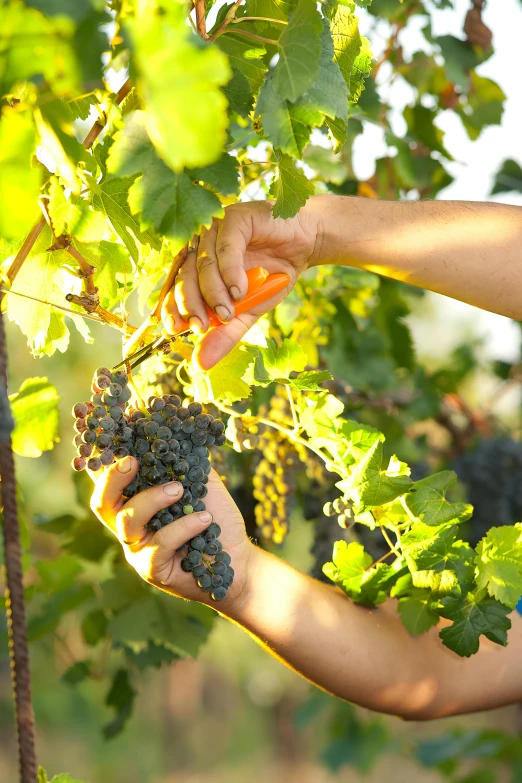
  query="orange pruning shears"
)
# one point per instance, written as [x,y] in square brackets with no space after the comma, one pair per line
[261,286]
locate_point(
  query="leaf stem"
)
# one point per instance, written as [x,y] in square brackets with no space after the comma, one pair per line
[292,408]
[254,37]
[389,541]
[231,13]
[330,465]
[258,19]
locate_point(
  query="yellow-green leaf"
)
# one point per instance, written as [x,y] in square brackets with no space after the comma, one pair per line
[35,411]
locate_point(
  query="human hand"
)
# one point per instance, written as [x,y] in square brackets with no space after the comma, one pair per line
[154,555]
[246,237]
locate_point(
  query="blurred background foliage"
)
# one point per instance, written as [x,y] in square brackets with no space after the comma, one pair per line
[118,694]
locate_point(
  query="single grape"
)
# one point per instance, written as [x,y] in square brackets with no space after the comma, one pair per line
[165,433]
[103,382]
[85,450]
[121,452]
[210,439]
[108,399]
[158,418]
[203,421]
[227,580]
[96,399]
[120,377]
[220,440]
[200,506]
[107,423]
[198,438]
[78,463]
[174,400]
[214,528]
[195,408]
[185,447]
[78,440]
[202,452]
[187,498]
[188,426]
[88,436]
[199,570]
[107,457]
[99,411]
[141,445]
[80,410]
[115,389]
[174,424]
[205,582]
[217,580]
[219,568]
[103,441]
[157,404]
[198,542]
[149,460]
[94,463]
[183,414]
[181,466]
[188,509]
[223,557]
[328,509]
[125,395]
[153,525]
[219,593]
[92,422]
[211,548]
[166,518]
[103,371]
[209,536]
[160,446]
[195,474]
[217,427]
[151,428]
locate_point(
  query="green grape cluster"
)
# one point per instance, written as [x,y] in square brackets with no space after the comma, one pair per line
[341,507]
[170,441]
[243,433]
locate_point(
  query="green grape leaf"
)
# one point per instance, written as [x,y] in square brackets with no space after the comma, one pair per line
[245,56]
[111,198]
[36,278]
[33,46]
[276,362]
[508,178]
[239,94]
[54,122]
[350,569]
[437,561]
[167,201]
[290,188]
[484,107]
[223,175]
[20,181]
[421,125]
[76,219]
[328,93]
[310,380]
[94,627]
[459,59]
[61,778]
[150,654]
[361,70]
[473,616]
[76,673]
[499,564]
[36,416]
[287,125]
[338,129]
[121,698]
[163,46]
[226,378]
[417,612]
[370,484]
[299,52]
[344,26]
[109,260]
[270,9]
[428,501]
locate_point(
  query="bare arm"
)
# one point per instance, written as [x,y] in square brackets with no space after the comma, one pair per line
[366,656]
[361,655]
[470,251]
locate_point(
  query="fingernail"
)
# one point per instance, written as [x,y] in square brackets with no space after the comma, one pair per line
[170,324]
[173,488]
[223,313]
[124,465]
[195,324]
[235,293]
[205,516]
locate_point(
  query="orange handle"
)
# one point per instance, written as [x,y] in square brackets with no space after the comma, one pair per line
[261,286]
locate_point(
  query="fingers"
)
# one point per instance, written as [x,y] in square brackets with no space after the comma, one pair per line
[210,282]
[187,295]
[132,517]
[234,233]
[214,345]
[107,498]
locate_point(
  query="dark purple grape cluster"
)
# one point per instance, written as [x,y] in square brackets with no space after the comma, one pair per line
[170,441]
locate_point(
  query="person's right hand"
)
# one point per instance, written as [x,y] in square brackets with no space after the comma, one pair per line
[246,237]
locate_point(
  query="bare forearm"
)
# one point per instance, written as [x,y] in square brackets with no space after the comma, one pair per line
[365,655]
[470,251]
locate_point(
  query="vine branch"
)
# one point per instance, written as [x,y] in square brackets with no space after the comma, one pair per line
[152,320]
[231,15]
[201,22]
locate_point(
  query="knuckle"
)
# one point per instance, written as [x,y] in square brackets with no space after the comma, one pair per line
[204,261]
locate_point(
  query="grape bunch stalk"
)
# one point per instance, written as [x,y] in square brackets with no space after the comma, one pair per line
[170,440]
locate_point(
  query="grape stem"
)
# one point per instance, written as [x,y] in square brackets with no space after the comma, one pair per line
[334,467]
[231,14]
[389,541]
[255,37]
[292,408]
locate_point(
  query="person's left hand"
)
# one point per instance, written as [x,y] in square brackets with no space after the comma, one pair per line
[154,555]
